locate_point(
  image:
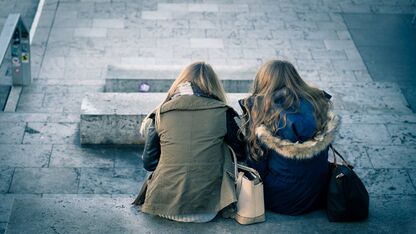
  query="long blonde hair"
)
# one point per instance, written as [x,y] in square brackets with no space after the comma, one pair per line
[201,75]
[279,77]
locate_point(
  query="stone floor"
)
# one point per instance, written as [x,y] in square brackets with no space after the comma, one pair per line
[392,56]
[49,183]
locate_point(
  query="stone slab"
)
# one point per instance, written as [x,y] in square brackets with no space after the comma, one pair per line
[39,117]
[77,156]
[6,175]
[12,155]
[45,180]
[129,157]
[51,133]
[5,207]
[403,134]
[12,132]
[111,180]
[75,214]
[387,181]
[370,134]
[393,156]
[355,154]
[115,118]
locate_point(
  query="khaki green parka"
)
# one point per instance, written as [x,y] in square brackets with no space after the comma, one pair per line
[193,172]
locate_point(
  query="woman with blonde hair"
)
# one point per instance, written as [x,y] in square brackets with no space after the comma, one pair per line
[289,127]
[186,141]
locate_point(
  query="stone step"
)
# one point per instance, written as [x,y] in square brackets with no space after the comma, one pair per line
[159,79]
[115,118]
[235,80]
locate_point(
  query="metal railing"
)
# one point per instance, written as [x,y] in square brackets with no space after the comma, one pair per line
[16,35]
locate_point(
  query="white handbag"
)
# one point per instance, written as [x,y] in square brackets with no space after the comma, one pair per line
[250,198]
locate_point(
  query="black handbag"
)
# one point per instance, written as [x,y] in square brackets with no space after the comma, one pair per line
[347,197]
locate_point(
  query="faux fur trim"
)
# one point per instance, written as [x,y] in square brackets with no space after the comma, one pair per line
[296,150]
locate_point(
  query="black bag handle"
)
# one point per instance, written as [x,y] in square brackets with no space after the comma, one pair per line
[336,153]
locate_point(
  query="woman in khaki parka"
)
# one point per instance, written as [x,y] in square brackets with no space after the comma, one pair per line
[186,141]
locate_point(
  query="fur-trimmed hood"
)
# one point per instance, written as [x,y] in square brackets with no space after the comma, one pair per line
[297,150]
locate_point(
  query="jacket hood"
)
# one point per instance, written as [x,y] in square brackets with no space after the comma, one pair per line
[182,103]
[297,150]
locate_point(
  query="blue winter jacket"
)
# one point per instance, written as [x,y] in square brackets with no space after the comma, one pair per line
[295,167]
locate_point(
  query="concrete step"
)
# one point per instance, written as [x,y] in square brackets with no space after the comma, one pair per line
[159,79]
[115,118]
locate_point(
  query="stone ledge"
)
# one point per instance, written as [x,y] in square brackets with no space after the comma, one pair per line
[160,78]
[115,118]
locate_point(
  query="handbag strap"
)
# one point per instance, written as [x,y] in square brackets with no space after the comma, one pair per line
[336,153]
[235,163]
[240,166]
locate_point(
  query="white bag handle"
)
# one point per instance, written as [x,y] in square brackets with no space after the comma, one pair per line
[241,167]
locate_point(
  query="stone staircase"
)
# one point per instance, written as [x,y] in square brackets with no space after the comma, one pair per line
[114,116]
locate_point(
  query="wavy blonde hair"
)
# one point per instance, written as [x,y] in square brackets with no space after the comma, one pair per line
[279,77]
[201,75]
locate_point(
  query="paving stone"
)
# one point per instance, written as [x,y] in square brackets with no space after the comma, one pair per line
[392,156]
[386,181]
[77,156]
[403,134]
[38,117]
[412,174]
[129,157]
[172,7]
[384,118]
[355,154]
[65,35]
[5,207]
[156,15]
[111,180]
[339,44]
[314,16]
[51,133]
[287,34]
[206,43]
[90,32]
[233,8]
[356,64]
[273,44]
[321,34]
[115,215]
[45,180]
[33,100]
[11,132]
[24,155]
[203,7]
[66,18]
[344,35]
[54,68]
[373,134]
[69,102]
[46,19]
[6,175]
[328,54]
[108,23]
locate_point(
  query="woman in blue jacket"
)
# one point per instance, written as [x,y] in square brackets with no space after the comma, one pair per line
[289,126]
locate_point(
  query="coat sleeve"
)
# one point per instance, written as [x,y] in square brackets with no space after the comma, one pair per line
[234,137]
[151,151]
